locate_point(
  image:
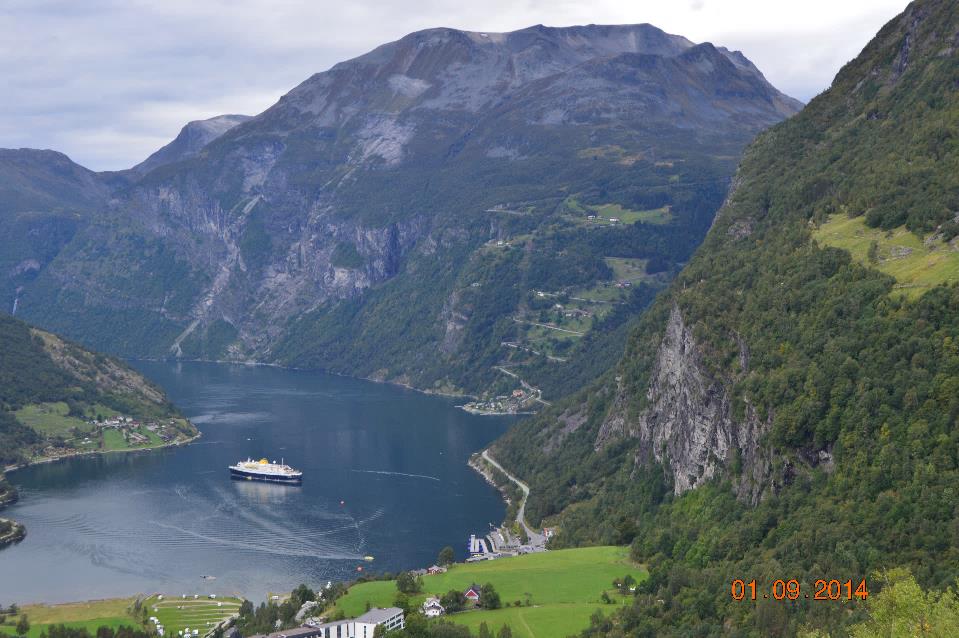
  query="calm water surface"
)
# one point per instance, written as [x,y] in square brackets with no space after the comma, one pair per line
[159,521]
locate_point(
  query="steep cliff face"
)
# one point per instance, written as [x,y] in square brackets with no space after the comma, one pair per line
[687,424]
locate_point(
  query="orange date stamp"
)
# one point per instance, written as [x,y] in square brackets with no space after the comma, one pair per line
[822,589]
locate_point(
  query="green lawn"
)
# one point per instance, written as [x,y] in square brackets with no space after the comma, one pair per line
[563,586]
[113,440]
[900,253]
[629,216]
[51,419]
[577,213]
[625,269]
[548,621]
[176,613]
[200,614]
[89,615]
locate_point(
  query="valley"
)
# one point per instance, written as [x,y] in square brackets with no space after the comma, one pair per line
[650,336]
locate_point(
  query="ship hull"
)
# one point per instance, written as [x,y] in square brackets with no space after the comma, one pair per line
[246,475]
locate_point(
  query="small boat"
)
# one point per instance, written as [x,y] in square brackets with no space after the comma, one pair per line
[368,559]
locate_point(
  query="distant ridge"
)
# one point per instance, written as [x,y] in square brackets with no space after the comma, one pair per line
[191,139]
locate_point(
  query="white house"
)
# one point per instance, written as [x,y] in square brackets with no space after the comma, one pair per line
[432,607]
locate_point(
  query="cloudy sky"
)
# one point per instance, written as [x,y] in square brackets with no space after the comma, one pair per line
[110,81]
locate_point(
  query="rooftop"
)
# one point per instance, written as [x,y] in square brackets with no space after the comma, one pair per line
[379,615]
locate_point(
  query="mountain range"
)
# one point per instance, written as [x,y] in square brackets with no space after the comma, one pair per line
[768,393]
[396,216]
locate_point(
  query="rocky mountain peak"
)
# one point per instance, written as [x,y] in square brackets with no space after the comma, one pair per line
[192,137]
[468,73]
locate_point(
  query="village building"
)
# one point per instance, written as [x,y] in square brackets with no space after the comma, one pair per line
[473,594]
[361,627]
[432,607]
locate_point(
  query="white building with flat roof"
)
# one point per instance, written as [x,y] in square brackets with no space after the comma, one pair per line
[363,627]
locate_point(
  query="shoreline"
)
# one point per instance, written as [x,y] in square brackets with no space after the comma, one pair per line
[53,459]
[253,364]
[16,534]
[490,413]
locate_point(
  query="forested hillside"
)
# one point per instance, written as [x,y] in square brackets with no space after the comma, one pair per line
[55,396]
[788,409]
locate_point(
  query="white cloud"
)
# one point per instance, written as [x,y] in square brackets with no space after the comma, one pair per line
[107,81]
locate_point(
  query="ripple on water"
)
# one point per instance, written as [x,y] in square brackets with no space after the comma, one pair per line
[112,525]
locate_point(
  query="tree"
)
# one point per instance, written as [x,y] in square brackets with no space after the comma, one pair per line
[23,625]
[505,632]
[446,556]
[902,608]
[489,598]
[454,600]
[484,631]
[303,594]
[403,601]
[409,584]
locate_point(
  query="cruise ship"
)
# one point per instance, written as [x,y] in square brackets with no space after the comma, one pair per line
[263,470]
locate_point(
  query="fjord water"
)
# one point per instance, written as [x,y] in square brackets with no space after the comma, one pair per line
[159,521]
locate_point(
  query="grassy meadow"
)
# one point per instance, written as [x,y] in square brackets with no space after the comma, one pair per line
[916,266]
[563,588]
[177,613]
[90,615]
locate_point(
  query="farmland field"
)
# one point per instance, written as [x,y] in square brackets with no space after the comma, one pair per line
[88,615]
[563,588]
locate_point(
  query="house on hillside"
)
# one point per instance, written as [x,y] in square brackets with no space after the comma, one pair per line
[436,569]
[473,594]
[432,607]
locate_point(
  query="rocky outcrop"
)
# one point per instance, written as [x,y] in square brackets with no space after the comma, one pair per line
[192,138]
[687,423]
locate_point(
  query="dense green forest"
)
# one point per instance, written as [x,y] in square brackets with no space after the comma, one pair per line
[855,383]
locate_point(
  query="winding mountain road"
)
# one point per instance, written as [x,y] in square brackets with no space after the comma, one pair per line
[535,539]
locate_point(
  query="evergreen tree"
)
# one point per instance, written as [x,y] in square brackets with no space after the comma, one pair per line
[446,556]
